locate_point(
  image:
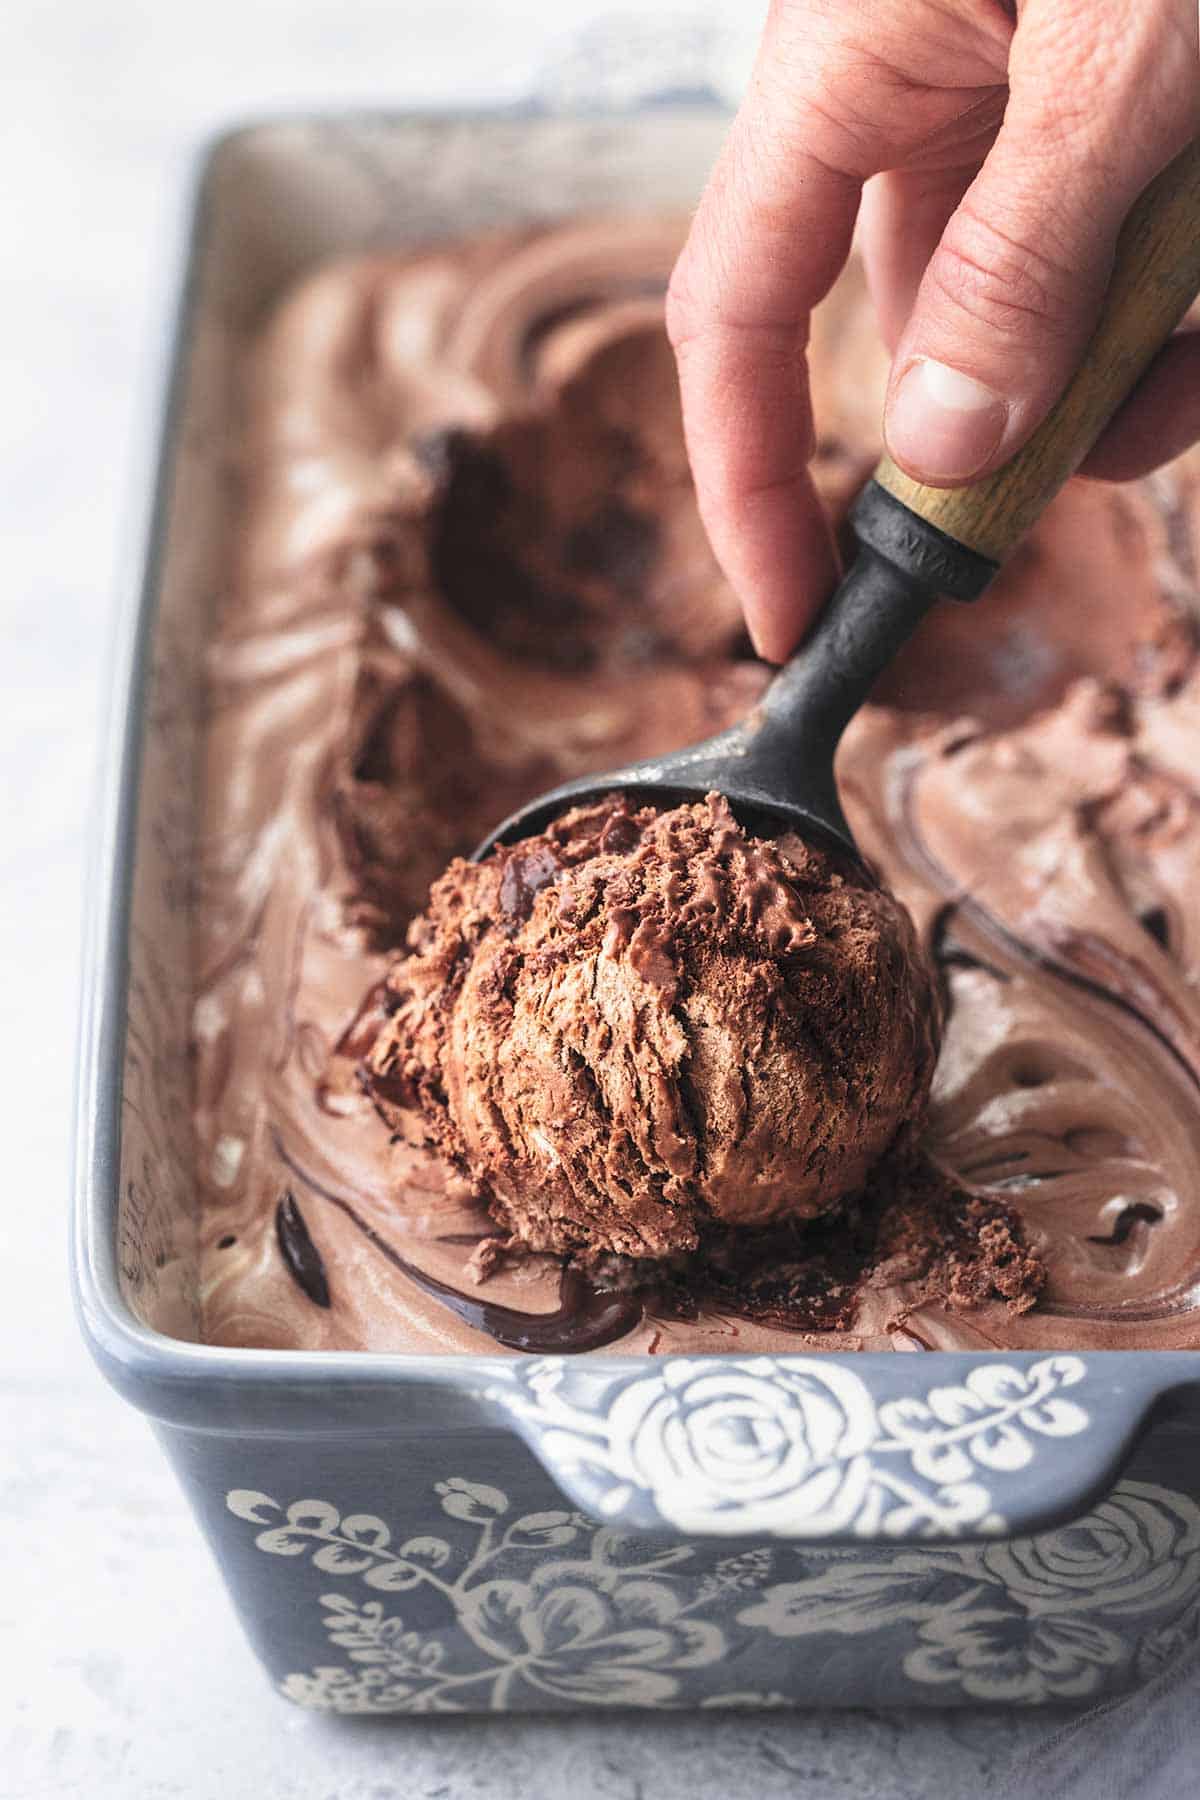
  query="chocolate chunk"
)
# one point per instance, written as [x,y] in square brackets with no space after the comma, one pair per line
[526,873]
[301,1257]
[620,834]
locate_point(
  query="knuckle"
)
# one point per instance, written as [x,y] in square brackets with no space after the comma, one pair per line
[697,290]
[686,309]
[1109,84]
[1001,281]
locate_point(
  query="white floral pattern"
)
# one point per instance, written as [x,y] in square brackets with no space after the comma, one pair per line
[1130,1550]
[1008,1622]
[791,1446]
[551,1608]
[598,1629]
[998,1653]
[707,1441]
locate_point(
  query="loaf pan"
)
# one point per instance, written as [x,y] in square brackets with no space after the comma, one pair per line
[470,1533]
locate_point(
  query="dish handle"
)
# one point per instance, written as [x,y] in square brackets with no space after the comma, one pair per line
[851,1448]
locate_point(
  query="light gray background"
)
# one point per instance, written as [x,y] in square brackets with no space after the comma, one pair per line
[121,1668]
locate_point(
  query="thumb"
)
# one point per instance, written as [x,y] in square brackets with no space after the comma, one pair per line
[1012,292]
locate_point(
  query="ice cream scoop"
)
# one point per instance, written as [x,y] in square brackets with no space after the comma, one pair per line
[915,544]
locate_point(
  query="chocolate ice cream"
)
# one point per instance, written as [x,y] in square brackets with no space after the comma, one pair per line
[642,1023]
[470,565]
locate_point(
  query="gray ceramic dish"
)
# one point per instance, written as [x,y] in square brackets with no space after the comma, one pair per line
[406,1533]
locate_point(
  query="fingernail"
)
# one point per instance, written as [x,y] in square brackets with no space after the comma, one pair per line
[942,423]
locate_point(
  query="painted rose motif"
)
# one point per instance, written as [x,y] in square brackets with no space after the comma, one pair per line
[1130,1553]
[789,1446]
[770,1441]
[591,1638]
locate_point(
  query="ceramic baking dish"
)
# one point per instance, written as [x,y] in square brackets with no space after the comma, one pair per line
[405,1533]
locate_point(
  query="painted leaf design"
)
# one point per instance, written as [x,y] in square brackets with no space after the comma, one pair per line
[1062,1371]
[906,1418]
[246,1503]
[1054,1418]
[942,1514]
[432,1550]
[471,1500]
[998,1384]
[392,1630]
[282,1541]
[1001,1447]
[624,1550]
[366,1529]
[943,1464]
[498,1609]
[847,1599]
[546,1528]
[954,1405]
[393,1576]
[339,1559]
[700,1643]
[313,1515]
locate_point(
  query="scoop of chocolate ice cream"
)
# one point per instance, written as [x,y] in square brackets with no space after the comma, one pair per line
[639,1023]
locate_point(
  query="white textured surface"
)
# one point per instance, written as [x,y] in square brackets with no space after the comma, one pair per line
[124,1667]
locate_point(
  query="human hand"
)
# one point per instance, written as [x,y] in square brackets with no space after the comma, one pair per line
[1000,156]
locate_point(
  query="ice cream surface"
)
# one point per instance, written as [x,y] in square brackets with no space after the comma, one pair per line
[470,565]
[639,1023]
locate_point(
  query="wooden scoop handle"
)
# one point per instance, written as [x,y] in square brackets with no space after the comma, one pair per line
[1156,275]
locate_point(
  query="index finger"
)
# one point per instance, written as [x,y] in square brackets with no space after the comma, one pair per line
[771,234]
